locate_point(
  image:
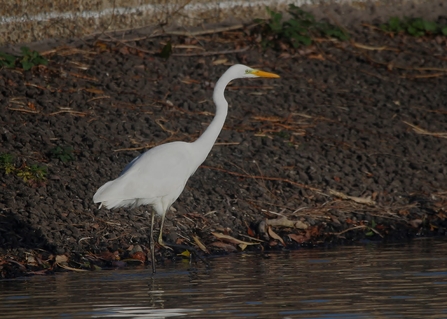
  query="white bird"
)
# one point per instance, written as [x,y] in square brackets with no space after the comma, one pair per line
[158,176]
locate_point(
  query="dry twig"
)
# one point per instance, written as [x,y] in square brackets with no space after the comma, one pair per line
[361,200]
[206,31]
[421,131]
[212,52]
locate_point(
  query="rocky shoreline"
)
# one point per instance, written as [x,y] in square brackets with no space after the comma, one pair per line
[348,146]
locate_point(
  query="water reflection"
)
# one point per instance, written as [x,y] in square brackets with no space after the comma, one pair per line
[391,281]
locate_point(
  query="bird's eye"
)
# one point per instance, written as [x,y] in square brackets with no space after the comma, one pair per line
[247,71]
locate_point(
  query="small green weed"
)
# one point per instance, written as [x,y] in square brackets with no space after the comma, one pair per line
[31,58]
[63,153]
[7,60]
[166,51]
[414,26]
[7,163]
[299,30]
[26,61]
[371,230]
[34,175]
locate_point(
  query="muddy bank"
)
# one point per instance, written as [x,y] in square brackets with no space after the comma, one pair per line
[349,145]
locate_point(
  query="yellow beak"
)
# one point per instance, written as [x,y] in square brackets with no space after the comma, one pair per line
[263,74]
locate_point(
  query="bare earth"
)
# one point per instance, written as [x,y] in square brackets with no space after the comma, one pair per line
[349,145]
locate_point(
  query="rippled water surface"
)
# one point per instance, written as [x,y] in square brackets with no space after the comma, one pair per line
[385,281]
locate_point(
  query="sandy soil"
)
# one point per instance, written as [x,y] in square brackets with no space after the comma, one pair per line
[349,145]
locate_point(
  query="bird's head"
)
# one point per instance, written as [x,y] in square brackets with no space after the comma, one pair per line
[243,71]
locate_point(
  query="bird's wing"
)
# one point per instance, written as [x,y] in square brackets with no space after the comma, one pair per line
[129,165]
[161,171]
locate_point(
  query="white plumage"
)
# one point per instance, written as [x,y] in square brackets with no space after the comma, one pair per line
[158,176]
[155,177]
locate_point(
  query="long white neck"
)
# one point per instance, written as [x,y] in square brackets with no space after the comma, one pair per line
[205,142]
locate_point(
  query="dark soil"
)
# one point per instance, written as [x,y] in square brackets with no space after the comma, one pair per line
[350,142]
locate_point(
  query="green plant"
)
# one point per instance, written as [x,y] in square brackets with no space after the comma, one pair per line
[166,51]
[27,60]
[63,153]
[7,163]
[38,173]
[31,58]
[33,174]
[414,26]
[299,30]
[7,60]
[275,23]
[371,230]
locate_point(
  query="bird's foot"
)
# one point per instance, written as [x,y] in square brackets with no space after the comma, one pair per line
[162,244]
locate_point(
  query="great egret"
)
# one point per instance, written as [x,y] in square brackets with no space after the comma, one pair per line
[158,176]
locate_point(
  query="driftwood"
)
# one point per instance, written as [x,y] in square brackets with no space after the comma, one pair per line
[285,222]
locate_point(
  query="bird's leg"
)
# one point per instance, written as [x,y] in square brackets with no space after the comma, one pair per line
[152,242]
[160,237]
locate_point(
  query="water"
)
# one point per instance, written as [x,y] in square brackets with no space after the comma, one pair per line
[386,281]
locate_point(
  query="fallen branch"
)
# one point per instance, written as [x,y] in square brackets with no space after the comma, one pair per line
[200,244]
[23,110]
[208,31]
[37,86]
[421,131]
[359,227]
[424,76]
[77,113]
[98,98]
[349,229]
[252,238]
[88,78]
[228,143]
[361,200]
[371,48]
[211,52]
[232,240]
[391,65]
